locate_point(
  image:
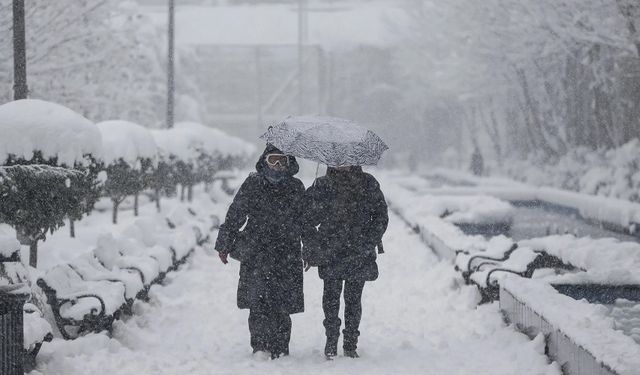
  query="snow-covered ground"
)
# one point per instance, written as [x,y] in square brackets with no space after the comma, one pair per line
[417,319]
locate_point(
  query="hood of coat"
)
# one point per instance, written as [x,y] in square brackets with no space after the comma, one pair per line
[350,178]
[261,165]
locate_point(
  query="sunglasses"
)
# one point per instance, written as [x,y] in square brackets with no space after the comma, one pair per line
[278,159]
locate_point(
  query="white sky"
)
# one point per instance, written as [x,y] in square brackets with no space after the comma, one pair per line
[329,25]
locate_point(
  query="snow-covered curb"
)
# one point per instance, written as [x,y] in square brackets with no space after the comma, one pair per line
[587,325]
[621,214]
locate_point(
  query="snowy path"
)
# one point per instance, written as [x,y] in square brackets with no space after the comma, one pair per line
[416,320]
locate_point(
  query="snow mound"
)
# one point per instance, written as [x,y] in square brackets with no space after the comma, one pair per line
[606,260]
[188,139]
[31,125]
[8,242]
[127,141]
[212,140]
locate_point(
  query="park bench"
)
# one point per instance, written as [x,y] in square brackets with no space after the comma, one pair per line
[115,253]
[90,269]
[81,306]
[202,225]
[521,261]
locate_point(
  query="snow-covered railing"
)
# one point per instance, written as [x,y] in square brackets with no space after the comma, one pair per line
[579,336]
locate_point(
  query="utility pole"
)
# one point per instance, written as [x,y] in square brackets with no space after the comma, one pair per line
[171,65]
[322,80]
[302,38]
[259,110]
[20,89]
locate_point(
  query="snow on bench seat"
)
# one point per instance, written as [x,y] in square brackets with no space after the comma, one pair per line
[77,297]
[154,233]
[111,253]
[90,268]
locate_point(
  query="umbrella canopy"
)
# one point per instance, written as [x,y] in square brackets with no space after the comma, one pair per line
[333,141]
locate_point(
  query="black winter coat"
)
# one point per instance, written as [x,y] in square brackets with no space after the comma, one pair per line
[345,218]
[271,212]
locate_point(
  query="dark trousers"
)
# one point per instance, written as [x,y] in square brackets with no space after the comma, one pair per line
[270,330]
[352,311]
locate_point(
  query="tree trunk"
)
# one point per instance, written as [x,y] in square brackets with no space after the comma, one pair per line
[182,188]
[135,204]
[190,193]
[72,228]
[114,218]
[157,194]
[33,253]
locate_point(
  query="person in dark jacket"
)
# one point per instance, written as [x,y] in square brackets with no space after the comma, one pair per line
[345,218]
[263,223]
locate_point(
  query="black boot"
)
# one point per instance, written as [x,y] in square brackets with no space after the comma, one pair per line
[351,353]
[350,343]
[331,347]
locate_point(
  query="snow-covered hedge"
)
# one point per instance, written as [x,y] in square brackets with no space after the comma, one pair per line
[56,132]
[611,173]
[195,152]
[126,141]
[44,133]
[130,155]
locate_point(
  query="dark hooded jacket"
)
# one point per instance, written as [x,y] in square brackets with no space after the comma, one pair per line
[345,218]
[268,212]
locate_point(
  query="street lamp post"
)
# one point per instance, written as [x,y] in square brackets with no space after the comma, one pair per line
[20,89]
[302,36]
[171,66]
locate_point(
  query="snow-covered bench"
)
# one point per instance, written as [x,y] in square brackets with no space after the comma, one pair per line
[79,305]
[486,266]
[90,268]
[179,242]
[112,255]
[202,225]
[523,262]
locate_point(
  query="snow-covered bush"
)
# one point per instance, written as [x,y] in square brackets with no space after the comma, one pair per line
[216,150]
[130,155]
[612,173]
[36,198]
[196,152]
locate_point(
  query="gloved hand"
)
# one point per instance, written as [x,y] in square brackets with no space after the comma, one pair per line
[223,257]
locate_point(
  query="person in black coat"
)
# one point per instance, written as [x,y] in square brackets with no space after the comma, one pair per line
[345,218]
[262,229]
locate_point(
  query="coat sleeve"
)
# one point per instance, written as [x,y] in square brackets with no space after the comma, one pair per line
[379,212]
[236,217]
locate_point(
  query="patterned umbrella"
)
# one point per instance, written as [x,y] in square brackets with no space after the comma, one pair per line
[333,141]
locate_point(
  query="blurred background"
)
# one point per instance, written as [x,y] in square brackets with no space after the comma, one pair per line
[546,91]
